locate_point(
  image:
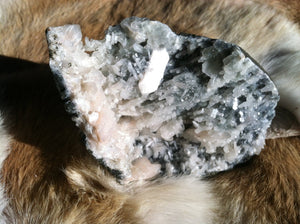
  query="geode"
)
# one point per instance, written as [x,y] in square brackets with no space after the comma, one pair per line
[191,104]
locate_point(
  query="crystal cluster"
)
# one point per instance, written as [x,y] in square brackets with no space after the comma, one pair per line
[192,104]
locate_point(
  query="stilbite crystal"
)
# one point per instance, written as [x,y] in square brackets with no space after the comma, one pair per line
[192,104]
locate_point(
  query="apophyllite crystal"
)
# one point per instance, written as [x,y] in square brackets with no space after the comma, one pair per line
[179,104]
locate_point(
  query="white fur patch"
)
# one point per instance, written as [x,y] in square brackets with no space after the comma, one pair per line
[181,200]
[4,145]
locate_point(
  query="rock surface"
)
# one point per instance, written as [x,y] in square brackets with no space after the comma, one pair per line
[188,104]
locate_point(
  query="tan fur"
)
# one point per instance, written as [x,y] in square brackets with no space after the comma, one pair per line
[49,177]
[4,150]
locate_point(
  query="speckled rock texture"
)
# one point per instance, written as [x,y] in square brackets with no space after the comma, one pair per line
[188,104]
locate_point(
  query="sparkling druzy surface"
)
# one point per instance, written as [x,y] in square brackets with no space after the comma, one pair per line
[190,104]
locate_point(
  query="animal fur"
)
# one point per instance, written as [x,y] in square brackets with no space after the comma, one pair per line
[4,145]
[49,177]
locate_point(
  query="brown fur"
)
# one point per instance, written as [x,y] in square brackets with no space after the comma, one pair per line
[265,189]
[289,8]
[27,21]
[49,177]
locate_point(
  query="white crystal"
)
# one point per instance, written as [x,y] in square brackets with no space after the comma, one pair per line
[154,72]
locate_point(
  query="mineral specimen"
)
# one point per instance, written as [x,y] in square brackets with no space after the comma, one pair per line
[188,104]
